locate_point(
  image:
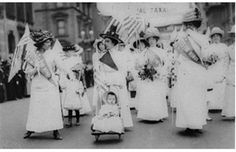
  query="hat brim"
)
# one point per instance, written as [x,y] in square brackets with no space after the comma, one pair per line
[154,36]
[141,40]
[37,44]
[111,37]
[197,22]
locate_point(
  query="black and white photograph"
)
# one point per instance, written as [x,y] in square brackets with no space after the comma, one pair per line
[117,75]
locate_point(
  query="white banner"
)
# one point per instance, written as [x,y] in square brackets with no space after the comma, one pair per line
[156,14]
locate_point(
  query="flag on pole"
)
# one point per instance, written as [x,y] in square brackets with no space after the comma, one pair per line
[130,26]
[20,52]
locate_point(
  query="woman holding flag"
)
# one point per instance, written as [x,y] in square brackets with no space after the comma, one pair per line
[191,83]
[44,110]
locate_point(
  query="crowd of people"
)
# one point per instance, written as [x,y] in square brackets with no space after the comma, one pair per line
[16,88]
[193,74]
[196,74]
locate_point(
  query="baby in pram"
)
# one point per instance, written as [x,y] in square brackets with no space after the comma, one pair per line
[108,118]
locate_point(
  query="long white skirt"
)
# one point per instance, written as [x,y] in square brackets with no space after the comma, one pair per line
[191,90]
[152,104]
[229,106]
[216,96]
[45,108]
[125,109]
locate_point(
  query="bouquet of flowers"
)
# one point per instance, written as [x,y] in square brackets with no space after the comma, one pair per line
[148,72]
[211,59]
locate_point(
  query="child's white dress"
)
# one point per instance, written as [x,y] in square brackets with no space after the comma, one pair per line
[108,120]
[73,94]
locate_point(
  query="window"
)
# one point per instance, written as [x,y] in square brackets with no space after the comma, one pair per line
[29,13]
[58,5]
[11,10]
[11,42]
[1,11]
[61,27]
[20,12]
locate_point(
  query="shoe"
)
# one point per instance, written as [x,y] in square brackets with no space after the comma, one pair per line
[209,119]
[68,125]
[189,131]
[198,131]
[57,135]
[77,124]
[28,134]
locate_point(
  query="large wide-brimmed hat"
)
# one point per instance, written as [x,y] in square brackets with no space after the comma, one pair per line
[152,32]
[41,36]
[232,30]
[193,16]
[111,34]
[216,30]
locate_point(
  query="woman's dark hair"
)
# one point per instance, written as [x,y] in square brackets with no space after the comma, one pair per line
[113,94]
[217,34]
[196,24]
[114,41]
[98,45]
[155,37]
[40,45]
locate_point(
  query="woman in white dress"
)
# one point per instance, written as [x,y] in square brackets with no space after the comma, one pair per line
[98,91]
[114,71]
[229,106]
[151,94]
[217,70]
[191,83]
[45,108]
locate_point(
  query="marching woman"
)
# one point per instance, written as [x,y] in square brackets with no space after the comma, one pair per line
[151,89]
[152,35]
[217,59]
[114,71]
[44,109]
[191,83]
[229,106]
[98,91]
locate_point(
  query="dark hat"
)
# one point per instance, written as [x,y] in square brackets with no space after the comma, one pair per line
[111,34]
[193,16]
[41,36]
[142,40]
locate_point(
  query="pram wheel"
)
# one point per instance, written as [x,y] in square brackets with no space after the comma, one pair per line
[96,137]
[119,136]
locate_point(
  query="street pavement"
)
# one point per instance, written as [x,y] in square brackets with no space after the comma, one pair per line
[217,134]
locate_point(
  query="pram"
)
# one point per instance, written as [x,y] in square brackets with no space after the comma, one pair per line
[98,132]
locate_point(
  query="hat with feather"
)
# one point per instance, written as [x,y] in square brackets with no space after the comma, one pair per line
[193,16]
[39,37]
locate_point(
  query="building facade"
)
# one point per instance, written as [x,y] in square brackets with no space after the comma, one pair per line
[221,15]
[13,17]
[71,23]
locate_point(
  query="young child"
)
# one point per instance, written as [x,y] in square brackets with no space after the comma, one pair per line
[108,119]
[74,93]
[73,88]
